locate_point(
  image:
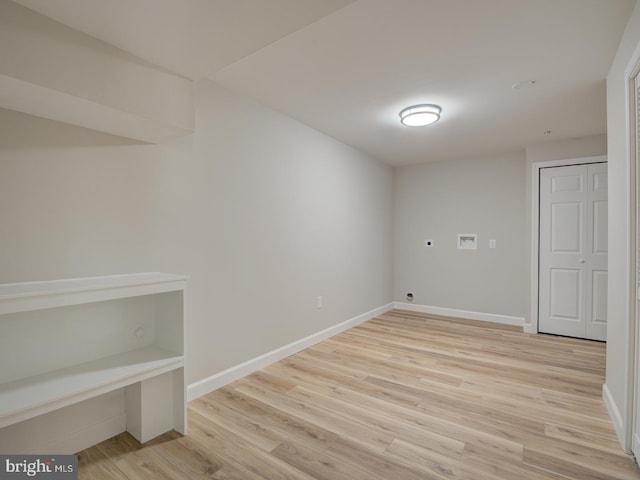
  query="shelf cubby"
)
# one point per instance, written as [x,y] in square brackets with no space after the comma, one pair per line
[66,341]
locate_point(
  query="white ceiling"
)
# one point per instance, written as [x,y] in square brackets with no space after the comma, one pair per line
[346,68]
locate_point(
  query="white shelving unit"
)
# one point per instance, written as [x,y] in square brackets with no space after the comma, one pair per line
[66,341]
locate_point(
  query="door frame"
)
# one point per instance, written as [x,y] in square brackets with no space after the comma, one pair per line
[535,226]
[631,440]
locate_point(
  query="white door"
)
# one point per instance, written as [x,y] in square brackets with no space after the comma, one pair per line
[573,251]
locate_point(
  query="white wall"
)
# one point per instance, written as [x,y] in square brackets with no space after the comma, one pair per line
[591,146]
[262,212]
[491,197]
[621,289]
[439,200]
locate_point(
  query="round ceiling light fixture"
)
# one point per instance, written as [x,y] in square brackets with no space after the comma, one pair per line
[420,115]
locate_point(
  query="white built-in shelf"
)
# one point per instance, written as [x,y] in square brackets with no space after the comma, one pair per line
[33,396]
[19,297]
[66,341]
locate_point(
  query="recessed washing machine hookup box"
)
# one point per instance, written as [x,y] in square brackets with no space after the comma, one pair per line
[468,241]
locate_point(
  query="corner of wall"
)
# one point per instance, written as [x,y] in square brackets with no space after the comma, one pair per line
[452,312]
[616,417]
[220,379]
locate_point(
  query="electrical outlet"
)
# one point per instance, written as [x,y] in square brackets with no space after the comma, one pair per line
[319,302]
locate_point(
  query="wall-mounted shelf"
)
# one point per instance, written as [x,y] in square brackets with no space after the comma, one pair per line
[65,341]
[19,297]
[32,396]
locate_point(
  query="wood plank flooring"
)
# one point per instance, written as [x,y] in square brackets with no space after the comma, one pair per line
[404,396]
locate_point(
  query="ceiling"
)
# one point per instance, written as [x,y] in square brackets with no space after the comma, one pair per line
[346,68]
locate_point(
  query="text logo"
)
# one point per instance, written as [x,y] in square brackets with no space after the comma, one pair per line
[49,467]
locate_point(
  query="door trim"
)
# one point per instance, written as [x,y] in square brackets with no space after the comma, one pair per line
[535,226]
[628,435]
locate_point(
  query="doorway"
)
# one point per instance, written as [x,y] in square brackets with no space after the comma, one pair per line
[573,251]
[634,368]
[537,167]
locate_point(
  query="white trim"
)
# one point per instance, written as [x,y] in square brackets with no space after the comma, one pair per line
[629,435]
[535,224]
[220,379]
[451,312]
[28,296]
[613,410]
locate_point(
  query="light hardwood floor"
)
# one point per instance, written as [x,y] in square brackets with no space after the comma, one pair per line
[405,396]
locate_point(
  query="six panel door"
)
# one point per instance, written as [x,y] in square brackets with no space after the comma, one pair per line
[573,251]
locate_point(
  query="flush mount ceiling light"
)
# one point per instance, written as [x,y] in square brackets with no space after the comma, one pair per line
[420,115]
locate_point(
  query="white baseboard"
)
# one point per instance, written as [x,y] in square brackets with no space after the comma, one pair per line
[451,312]
[615,415]
[218,380]
[529,328]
